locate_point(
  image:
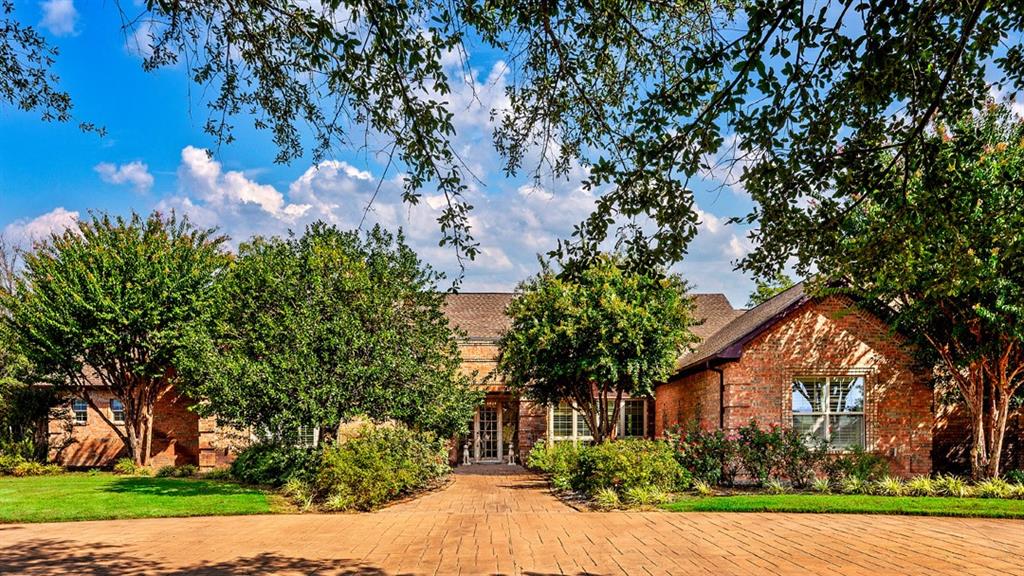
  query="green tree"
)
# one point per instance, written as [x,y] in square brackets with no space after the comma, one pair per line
[641,93]
[590,336]
[316,330]
[944,247]
[765,290]
[111,303]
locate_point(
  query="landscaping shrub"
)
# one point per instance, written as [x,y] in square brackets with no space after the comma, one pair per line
[760,451]
[821,485]
[775,486]
[607,499]
[18,465]
[889,486]
[24,448]
[183,471]
[274,464]
[709,455]
[993,488]
[1014,476]
[645,496]
[629,463]
[377,465]
[799,457]
[703,488]
[858,464]
[921,486]
[950,485]
[128,467]
[559,460]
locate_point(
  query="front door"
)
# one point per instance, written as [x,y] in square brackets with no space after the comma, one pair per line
[487,445]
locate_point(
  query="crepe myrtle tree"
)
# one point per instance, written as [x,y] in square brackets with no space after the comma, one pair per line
[943,247]
[589,335]
[108,305]
[332,325]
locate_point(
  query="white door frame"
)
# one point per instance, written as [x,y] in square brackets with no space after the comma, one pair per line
[499,432]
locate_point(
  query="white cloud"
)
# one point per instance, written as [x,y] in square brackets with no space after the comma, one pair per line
[201,175]
[25,231]
[59,17]
[134,173]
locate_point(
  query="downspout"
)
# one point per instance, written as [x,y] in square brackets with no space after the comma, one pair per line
[721,394]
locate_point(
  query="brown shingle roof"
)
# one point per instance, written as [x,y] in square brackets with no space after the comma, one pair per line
[727,341]
[482,315]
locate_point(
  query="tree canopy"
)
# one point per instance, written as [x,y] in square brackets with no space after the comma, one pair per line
[943,247]
[590,337]
[318,329]
[644,95]
[765,290]
[112,302]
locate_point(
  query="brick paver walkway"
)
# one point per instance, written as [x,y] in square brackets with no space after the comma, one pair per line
[502,520]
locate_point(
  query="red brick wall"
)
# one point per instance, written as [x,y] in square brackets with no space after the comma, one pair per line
[823,337]
[694,397]
[95,444]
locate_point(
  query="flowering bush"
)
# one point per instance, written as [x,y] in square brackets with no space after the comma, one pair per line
[711,456]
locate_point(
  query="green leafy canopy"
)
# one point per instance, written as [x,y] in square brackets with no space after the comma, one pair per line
[318,329]
[602,331]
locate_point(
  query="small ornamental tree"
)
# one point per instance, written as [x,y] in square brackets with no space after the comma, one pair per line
[590,337]
[109,304]
[943,247]
[322,328]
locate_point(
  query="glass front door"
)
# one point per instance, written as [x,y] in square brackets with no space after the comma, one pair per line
[486,428]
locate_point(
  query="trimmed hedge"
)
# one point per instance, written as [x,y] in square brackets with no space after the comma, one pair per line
[274,464]
[378,465]
[632,467]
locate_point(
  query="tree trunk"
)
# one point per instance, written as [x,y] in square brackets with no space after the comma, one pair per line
[147,438]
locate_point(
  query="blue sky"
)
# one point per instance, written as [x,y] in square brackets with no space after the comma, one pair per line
[153,158]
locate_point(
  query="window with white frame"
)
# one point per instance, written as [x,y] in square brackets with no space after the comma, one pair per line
[568,423]
[831,409]
[117,411]
[80,409]
[633,422]
[308,436]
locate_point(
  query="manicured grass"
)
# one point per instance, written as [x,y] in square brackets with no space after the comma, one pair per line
[103,496]
[852,504]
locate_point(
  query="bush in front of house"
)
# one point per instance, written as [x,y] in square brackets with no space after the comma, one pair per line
[171,471]
[711,456]
[637,470]
[558,460]
[273,463]
[128,467]
[857,463]
[18,465]
[629,464]
[377,465]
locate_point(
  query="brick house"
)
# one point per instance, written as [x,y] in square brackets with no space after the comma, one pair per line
[821,364]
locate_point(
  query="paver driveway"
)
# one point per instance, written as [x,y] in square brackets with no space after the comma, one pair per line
[501,520]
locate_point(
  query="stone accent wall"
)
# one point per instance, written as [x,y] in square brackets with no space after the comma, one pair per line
[95,444]
[823,337]
[479,358]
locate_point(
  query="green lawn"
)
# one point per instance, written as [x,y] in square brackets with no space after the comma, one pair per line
[103,496]
[836,503]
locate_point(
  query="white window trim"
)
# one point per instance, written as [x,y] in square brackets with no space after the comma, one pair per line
[113,413]
[316,437]
[576,437]
[74,413]
[828,413]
